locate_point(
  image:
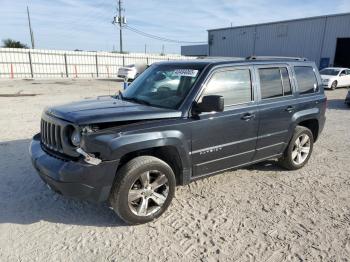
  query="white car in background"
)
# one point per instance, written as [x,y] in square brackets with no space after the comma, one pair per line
[130,72]
[333,77]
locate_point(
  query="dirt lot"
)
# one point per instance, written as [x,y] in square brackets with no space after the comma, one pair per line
[260,213]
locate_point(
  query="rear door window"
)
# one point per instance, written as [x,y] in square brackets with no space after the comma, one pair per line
[274,82]
[306,79]
[287,87]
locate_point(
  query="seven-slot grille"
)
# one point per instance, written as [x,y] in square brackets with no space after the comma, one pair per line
[51,135]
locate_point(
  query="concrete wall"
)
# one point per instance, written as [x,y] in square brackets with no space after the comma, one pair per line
[313,38]
[35,63]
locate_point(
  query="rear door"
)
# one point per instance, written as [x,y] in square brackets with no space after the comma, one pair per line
[223,140]
[276,107]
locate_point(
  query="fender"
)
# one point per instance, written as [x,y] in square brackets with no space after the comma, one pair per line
[312,113]
[300,116]
[113,146]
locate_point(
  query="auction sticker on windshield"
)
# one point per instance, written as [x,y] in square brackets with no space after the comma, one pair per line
[186,72]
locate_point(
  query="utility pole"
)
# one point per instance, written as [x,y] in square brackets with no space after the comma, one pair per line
[120,26]
[145,48]
[30,29]
[120,20]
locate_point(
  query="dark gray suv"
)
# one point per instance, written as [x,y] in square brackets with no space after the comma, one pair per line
[178,122]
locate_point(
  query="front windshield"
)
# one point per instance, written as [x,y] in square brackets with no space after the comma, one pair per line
[329,72]
[163,86]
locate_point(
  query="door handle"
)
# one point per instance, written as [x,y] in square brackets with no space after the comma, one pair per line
[289,109]
[248,116]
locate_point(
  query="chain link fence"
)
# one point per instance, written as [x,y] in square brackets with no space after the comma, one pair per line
[37,63]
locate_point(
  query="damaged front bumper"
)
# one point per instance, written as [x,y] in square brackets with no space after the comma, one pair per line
[77,179]
[90,159]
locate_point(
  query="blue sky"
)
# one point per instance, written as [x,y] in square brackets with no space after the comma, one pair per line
[86,24]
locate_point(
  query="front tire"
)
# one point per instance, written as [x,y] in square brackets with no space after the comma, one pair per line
[143,190]
[299,149]
[334,85]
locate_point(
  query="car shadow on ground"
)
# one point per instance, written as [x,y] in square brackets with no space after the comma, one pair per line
[24,198]
[337,104]
[268,165]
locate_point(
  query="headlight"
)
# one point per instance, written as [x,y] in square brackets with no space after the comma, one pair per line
[325,80]
[75,138]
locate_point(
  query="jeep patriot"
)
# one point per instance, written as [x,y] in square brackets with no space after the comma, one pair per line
[177,122]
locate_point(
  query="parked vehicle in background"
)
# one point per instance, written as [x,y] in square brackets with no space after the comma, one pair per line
[164,81]
[347,99]
[333,77]
[176,123]
[130,72]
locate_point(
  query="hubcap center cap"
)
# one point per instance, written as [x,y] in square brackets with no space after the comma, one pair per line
[148,192]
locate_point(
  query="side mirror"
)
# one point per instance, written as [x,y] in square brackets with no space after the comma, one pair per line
[342,74]
[210,103]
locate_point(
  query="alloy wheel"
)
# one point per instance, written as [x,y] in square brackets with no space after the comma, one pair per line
[301,149]
[334,85]
[148,193]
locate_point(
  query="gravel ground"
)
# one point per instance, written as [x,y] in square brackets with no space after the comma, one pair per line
[260,213]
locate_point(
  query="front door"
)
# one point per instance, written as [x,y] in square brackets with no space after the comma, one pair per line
[227,139]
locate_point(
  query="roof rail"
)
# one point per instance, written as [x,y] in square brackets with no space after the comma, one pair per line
[276,58]
[221,58]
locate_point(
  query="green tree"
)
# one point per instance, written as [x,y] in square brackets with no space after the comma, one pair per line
[10,43]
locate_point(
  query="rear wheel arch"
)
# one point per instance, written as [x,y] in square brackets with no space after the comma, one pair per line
[312,125]
[299,147]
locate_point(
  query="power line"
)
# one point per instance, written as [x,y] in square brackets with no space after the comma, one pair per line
[159,37]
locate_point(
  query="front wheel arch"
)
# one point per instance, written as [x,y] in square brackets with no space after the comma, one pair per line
[168,154]
[334,84]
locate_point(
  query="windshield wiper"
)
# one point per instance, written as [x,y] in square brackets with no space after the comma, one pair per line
[136,100]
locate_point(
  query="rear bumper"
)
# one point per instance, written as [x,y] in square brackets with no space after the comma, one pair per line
[75,179]
[321,122]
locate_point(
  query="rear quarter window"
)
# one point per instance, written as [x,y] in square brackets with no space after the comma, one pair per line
[306,79]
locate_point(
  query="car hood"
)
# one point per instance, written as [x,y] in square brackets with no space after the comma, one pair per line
[328,77]
[108,109]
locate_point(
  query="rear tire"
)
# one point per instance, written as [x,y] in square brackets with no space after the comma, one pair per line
[299,150]
[143,190]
